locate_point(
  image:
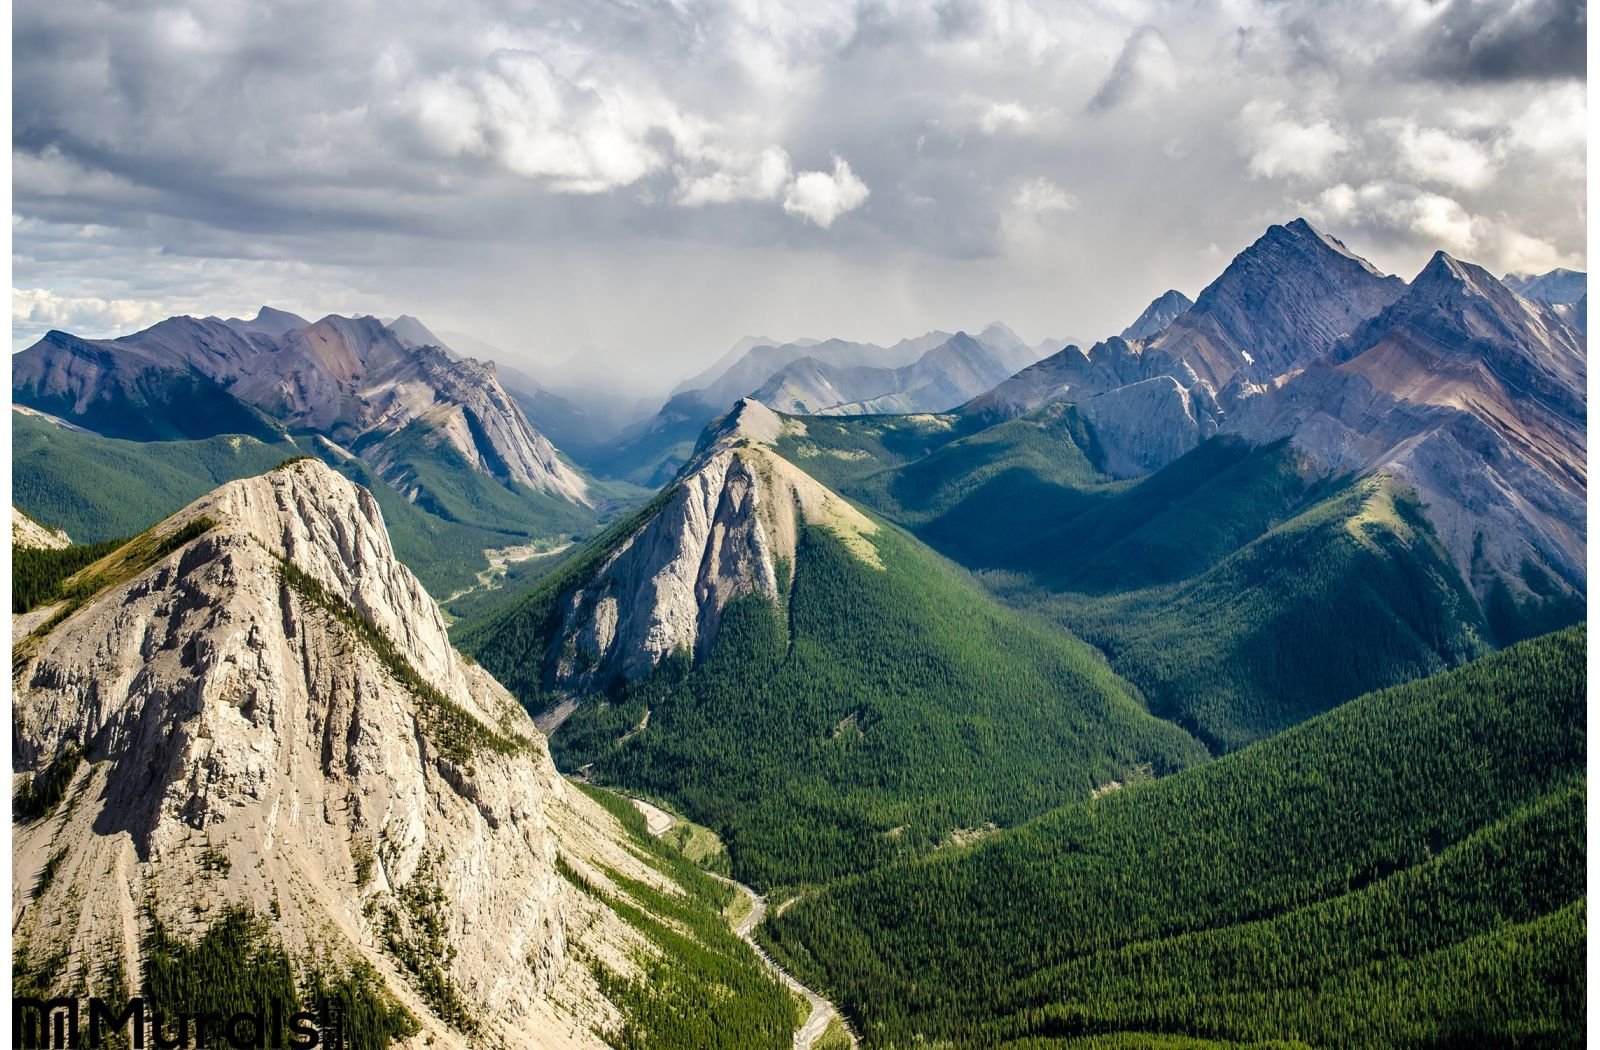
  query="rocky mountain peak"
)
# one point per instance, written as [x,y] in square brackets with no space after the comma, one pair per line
[1282,302]
[1162,311]
[260,689]
[255,706]
[730,521]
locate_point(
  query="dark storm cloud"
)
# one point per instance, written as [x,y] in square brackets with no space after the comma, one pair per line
[650,180]
[1492,40]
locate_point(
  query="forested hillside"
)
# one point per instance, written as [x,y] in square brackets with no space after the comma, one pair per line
[867,718]
[99,488]
[1406,870]
[1238,591]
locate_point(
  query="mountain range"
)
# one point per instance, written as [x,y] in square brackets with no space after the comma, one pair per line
[1219,684]
[928,373]
[350,380]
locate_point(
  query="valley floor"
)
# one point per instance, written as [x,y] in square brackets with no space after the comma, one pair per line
[824,1015]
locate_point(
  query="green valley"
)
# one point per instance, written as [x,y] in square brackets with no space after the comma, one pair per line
[98,488]
[1237,590]
[865,718]
[1406,870]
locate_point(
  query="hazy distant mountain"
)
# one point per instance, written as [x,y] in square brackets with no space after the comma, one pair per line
[274,324]
[833,375]
[760,364]
[729,359]
[946,376]
[1162,311]
[413,333]
[1558,287]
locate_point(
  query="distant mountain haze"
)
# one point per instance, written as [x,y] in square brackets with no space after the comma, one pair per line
[1558,287]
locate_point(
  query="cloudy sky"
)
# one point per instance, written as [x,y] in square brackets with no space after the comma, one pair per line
[641,183]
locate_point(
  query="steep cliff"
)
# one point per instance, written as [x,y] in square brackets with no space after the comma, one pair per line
[255,706]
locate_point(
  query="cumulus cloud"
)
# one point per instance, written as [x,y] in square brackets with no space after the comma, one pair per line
[1390,211]
[1277,144]
[1437,156]
[823,196]
[39,309]
[1000,117]
[758,178]
[1039,195]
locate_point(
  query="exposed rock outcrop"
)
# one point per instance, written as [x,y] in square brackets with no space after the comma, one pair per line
[1144,426]
[25,532]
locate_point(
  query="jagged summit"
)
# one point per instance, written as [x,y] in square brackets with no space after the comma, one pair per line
[1281,303]
[1162,311]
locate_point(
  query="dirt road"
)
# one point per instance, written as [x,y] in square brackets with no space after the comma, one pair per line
[659,822]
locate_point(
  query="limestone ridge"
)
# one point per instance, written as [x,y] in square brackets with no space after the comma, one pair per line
[350,379]
[270,713]
[729,528]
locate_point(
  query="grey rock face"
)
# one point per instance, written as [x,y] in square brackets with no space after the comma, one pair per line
[1476,397]
[1144,426]
[1283,302]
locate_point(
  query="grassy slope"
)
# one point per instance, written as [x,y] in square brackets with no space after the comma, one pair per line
[1240,595]
[1405,870]
[878,711]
